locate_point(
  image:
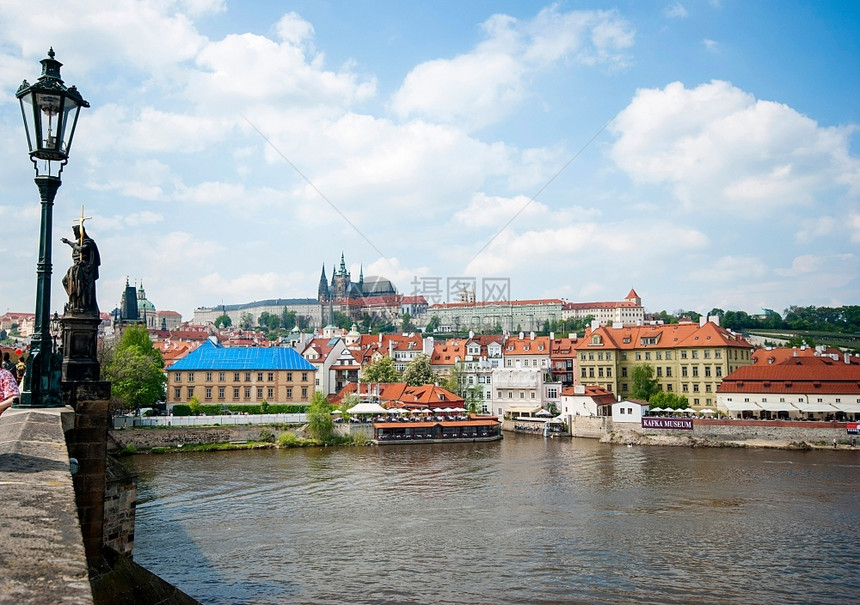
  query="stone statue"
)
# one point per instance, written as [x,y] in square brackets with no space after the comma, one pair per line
[80,279]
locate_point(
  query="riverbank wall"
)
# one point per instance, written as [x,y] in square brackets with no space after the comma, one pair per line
[736,433]
[148,438]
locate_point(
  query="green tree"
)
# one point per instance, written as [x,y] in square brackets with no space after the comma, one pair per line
[223,321]
[433,324]
[406,323]
[644,383]
[135,370]
[288,319]
[664,399]
[320,424]
[382,370]
[419,371]
[246,321]
[194,405]
[348,402]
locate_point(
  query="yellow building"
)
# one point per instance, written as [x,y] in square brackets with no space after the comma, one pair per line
[688,359]
[223,375]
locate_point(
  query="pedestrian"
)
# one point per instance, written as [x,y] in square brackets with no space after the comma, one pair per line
[834,443]
[20,369]
[9,392]
[7,363]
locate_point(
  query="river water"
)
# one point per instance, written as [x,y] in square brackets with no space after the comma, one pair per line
[524,520]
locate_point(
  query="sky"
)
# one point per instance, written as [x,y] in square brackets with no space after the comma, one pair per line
[705,153]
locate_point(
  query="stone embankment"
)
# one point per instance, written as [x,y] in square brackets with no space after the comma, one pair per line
[146,439]
[737,433]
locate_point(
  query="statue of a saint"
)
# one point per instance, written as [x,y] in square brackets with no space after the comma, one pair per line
[80,279]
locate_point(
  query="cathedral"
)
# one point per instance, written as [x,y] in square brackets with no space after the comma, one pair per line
[342,288]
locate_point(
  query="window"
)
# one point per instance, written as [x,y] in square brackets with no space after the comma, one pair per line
[668,355]
[718,354]
[235,376]
[552,392]
[591,356]
[608,356]
[499,394]
[696,387]
[271,377]
[707,388]
[259,392]
[304,376]
[259,377]
[696,401]
[648,355]
[659,372]
[220,392]
[683,355]
[221,376]
[178,377]
[668,388]
[304,392]
[695,371]
[247,376]
[289,392]
[510,394]
[208,376]
[582,371]
[533,394]
[623,372]
[177,393]
[623,386]
[609,372]
[620,410]
[208,392]
[695,354]
[247,392]
[270,392]
[600,356]
[624,357]
[707,371]
[707,354]
[719,370]
[659,355]
[235,392]
[638,356]
[289,376]
[591,372]
[190,392]
[600,372]
[190,376]
[685,387]
[629,410]
[684,371]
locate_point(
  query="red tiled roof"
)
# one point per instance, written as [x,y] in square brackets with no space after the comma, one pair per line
[506,303]
[796,375]
[668,336]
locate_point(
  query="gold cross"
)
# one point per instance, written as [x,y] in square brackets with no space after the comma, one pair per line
[81,221]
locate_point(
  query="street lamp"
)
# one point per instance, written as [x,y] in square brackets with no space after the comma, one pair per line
[50,112]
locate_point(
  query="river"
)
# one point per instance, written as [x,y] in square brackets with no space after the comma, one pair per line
[524,520]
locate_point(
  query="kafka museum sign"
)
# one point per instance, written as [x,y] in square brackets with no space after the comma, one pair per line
[683,424]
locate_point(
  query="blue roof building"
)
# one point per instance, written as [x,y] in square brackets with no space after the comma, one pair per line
[214,374]
[213,356]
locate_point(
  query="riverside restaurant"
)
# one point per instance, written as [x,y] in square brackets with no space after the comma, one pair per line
[422,424]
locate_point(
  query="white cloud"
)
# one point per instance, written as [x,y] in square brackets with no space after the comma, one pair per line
[815,228]
[478,88]
[728,270]
[675,11]
[854,226]
[716,146]
[711,45]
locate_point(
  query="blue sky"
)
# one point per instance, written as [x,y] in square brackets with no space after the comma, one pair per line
[704,153]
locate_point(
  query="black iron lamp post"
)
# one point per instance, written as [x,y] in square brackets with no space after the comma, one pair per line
[50,112]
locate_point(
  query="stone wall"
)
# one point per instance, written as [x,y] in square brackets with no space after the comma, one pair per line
[594,427]
[120,506]
[42,556]
[144,439]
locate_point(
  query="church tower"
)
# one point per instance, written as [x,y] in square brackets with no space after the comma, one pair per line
[323,293]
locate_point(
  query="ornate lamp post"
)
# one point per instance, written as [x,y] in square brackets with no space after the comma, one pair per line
[50,112]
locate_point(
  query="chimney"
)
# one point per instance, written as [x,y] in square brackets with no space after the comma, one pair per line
[552,335]
[531,335]
[847,358]
[702,320]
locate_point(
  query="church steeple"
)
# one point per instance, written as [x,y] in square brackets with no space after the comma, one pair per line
[323,293]
[342,265]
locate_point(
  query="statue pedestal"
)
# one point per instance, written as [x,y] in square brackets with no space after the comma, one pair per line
[80,348]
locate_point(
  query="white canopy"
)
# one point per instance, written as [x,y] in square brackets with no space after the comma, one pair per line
[741,406]
[814,407]
[658,409]
[367,408]
[850,408]
[777,406]
[707,411]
